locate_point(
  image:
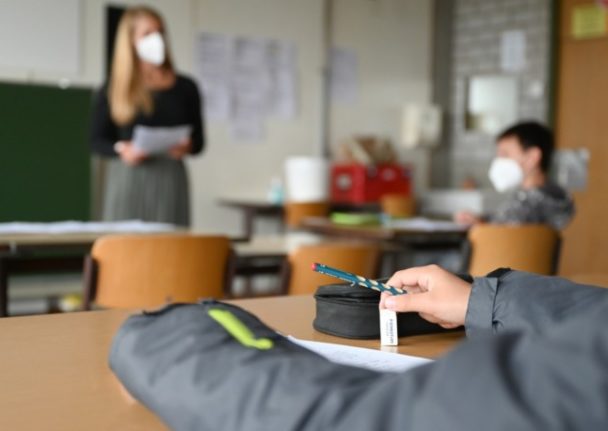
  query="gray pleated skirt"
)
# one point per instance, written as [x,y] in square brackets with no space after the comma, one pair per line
[155,190]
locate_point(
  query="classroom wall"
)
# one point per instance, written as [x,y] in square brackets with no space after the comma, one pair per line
[92,41]
[242,169]
[477,30]
[391,38]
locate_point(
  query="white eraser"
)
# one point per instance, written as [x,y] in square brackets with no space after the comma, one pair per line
[388,328]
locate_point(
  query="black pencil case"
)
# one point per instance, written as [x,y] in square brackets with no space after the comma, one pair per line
[350,311]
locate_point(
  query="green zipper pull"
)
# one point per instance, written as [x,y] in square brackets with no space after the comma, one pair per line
[238,330]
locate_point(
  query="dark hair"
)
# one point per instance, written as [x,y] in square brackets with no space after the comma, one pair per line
[532,134]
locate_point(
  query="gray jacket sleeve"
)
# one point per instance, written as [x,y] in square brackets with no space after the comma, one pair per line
[521,300]
[552,377]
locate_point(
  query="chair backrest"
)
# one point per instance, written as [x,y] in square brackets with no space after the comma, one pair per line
[532,248]
[142,271]
[357,258]
[398,205]
[295,212]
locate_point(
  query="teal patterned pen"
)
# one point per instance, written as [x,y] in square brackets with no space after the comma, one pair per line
[356,279]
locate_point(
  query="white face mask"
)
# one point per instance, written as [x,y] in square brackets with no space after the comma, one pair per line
[505,174]
[151,48]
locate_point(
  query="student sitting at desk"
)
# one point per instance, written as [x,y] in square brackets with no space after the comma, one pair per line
[523,157]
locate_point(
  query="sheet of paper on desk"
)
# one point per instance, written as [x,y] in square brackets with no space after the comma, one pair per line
[158,140]
[359,357]
[75,227]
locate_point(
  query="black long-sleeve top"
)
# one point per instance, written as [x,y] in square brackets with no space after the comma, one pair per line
[178,105]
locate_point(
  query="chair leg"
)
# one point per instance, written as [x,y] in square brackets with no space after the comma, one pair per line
[3,287]
[229,274]
[284,277]
[556,256]
[90,282]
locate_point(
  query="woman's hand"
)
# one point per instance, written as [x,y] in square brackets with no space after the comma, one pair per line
[179,150]
[436,294]
[129,154]
[466,217]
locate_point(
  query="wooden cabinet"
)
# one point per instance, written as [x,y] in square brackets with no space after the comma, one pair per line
[582,121]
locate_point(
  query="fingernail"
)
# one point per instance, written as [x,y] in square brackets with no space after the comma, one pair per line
[390,303]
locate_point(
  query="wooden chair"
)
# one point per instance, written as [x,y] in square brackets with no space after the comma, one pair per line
[398,205]
[295,212]
[299,278]
[533,248]
[144,271]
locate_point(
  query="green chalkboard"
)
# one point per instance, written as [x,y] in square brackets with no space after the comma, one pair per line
[44,153]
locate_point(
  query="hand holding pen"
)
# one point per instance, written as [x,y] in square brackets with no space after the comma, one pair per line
[436,294]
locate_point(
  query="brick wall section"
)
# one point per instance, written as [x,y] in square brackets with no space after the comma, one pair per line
[477,30]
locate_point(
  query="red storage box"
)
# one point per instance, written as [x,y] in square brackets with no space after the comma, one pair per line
[354,183]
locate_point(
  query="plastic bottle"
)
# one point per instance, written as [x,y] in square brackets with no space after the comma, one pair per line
[275,191]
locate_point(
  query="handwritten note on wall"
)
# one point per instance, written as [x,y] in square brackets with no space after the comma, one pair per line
[589,21]
[246,80]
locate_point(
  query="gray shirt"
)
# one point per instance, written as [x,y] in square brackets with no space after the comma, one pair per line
[548,204]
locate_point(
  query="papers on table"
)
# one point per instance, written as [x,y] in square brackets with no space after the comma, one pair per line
[64,227]
[158,140]
[426,225]
[359,357]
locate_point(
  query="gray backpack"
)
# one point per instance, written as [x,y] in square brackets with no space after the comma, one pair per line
[186,362]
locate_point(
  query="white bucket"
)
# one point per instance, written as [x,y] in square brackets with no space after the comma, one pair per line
[307,179]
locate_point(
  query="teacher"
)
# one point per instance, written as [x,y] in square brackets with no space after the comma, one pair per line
[145,90]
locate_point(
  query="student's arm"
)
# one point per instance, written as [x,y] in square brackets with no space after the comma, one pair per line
[513,300]
[520,300]
[519,380]
[516,380]
[466,218]
[196,142]
[104,133]
[198,131]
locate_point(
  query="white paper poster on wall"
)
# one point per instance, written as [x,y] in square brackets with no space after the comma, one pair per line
[251,88]
[213,70]
[513,51]
[245,80]
[343,81]
[283,75]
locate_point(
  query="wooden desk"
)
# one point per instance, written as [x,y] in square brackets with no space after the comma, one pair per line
[55,375]
[405,236]
[57,253]
[30,253]
[254,208]
[36,253]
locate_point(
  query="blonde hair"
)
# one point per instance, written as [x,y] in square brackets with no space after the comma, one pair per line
[126,93]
